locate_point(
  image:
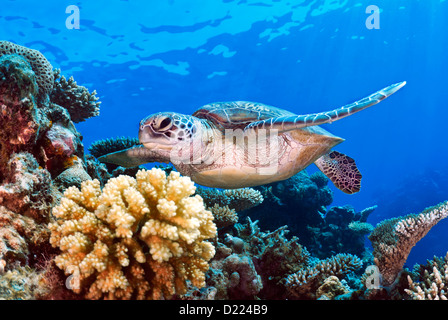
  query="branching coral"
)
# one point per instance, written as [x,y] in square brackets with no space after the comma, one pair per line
[224,216]
[393,239]
[102,147]
[304,283]
[252,264]
[40,65]
[138,238]
[302,200]
[237,199]
[431,281]
[80,103]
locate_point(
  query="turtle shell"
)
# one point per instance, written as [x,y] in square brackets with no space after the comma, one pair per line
[238,114]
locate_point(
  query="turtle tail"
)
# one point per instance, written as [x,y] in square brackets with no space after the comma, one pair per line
[288,123]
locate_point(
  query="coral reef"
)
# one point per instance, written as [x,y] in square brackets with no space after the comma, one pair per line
[393,239]
[41,67]
[331,288]
[305,283]
[144,234]
[429,282]
[342,230]
[233,276]
[80,103]
[30,122]
[236,199]
[101,147]
[224,216]
[22,283]
[251,264]
[302,199]
[26,188]
[41,154]
[19,236]
[137,238]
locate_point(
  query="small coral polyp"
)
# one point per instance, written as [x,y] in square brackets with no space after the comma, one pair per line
[137,238]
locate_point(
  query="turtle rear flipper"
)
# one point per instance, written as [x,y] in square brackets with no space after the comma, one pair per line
[132,157]
[289,123]
[341,170]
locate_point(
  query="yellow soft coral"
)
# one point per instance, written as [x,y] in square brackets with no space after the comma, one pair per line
[137,238]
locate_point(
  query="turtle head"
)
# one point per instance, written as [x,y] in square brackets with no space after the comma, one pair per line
[164,130]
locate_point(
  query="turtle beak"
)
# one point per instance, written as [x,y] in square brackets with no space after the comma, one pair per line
[145,132]
[151,139]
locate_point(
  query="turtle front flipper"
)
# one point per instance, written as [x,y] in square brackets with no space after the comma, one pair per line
[132,157]
[341,170]
[288,123]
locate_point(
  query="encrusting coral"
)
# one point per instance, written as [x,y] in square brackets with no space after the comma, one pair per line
[331,288]
[393,239]
[138,238]
[22,283]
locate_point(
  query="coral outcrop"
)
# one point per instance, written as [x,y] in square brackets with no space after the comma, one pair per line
[137,238]
[80,103]
[302,199]
[41,154]
[331,289]
[393,239]
[233,275]
[343,230]
[251,264]
[30,121]
[42,69]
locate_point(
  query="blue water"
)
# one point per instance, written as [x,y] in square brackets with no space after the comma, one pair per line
[304,56]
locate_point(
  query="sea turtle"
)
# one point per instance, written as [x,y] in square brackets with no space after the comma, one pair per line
[243,144]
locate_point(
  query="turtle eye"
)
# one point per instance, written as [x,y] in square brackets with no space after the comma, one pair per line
[164,124]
